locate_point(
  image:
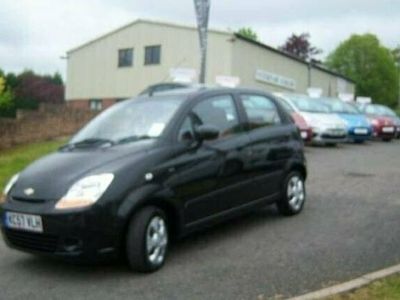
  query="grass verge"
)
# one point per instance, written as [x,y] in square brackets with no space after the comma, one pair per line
[15,159]
[386,289]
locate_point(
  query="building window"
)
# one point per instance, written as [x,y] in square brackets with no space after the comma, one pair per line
[125,57]
[95,104]
[152,55]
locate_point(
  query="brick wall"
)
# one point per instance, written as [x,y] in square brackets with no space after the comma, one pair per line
[48,122]
[84,103]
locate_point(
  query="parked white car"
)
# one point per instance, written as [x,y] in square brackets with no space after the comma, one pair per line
[328,128]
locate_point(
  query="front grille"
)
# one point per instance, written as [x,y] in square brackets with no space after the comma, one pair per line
[329,136]
[32,241]
[28,200]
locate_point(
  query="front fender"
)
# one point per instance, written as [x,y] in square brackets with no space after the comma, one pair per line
[150,194]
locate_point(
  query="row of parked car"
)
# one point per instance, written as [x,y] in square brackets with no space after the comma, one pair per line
[331,120]
[326,120]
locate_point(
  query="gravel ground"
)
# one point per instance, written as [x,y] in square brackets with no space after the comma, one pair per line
[350,226]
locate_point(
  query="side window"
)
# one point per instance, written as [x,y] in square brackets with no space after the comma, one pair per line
[261,111]
[217,111]
[286,105]
[186,132]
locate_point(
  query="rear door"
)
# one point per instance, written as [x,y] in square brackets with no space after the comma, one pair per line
[270,136]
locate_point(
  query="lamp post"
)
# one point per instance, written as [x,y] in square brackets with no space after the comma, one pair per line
[202,8]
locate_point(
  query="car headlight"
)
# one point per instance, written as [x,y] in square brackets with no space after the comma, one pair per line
[8,187]
[86,191]
[374,122]
[316,129]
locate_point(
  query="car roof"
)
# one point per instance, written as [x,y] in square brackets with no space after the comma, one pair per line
[199,90]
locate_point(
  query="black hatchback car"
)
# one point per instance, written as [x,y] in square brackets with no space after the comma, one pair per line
[154,168]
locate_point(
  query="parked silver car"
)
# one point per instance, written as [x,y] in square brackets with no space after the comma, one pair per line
[328,128]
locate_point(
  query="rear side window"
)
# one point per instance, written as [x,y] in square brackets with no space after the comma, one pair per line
[219,111]
[261,111]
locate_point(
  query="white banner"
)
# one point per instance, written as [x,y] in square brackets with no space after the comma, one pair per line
[227,81]
[364,100]
[183,75]
[314,92]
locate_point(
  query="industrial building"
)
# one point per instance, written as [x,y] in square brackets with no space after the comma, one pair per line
[120,64]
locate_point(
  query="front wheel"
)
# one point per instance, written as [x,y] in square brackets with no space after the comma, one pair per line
[147,240]
[293,194]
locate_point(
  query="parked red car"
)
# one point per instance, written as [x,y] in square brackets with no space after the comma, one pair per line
[305,130]
[382,125]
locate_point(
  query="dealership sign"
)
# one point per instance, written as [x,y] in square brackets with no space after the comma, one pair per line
[275,79]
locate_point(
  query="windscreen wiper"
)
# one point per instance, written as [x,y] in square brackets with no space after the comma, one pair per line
[133,138]
[87,143]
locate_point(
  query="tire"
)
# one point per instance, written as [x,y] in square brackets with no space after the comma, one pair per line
[387,140]
[143,257]
[331,145]
[287,205]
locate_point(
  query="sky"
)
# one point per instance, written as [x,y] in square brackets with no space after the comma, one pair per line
[36,34]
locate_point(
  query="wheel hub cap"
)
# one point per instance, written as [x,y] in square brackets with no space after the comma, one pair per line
[156,240]
[295,192]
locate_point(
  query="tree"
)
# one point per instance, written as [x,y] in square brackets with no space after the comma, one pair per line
[27,90]
[372,66]
[6,100]
[396,55]
[248,33]
[300,46]
[33,89]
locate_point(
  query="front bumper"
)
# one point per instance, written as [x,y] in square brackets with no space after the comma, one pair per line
[359,133]
[381,132]
[86,234]
[329,135]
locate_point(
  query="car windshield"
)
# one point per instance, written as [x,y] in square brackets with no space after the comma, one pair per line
[130,121]
[341,107]
[380,110]
[306,104]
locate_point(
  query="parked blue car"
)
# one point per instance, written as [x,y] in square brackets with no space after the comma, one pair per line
[358,127]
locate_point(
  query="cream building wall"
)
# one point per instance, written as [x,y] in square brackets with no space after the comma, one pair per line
[93,72]
[248,57]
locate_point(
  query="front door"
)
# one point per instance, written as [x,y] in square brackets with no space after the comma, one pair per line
[212,177]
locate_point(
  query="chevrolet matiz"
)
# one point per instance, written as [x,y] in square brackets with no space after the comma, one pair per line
[151,169]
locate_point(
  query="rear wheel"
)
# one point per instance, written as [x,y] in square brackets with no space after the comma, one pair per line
[293,195]
[147,240]
[359,141]
[331,144]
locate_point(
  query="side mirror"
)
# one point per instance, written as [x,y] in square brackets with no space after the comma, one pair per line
[206,132]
